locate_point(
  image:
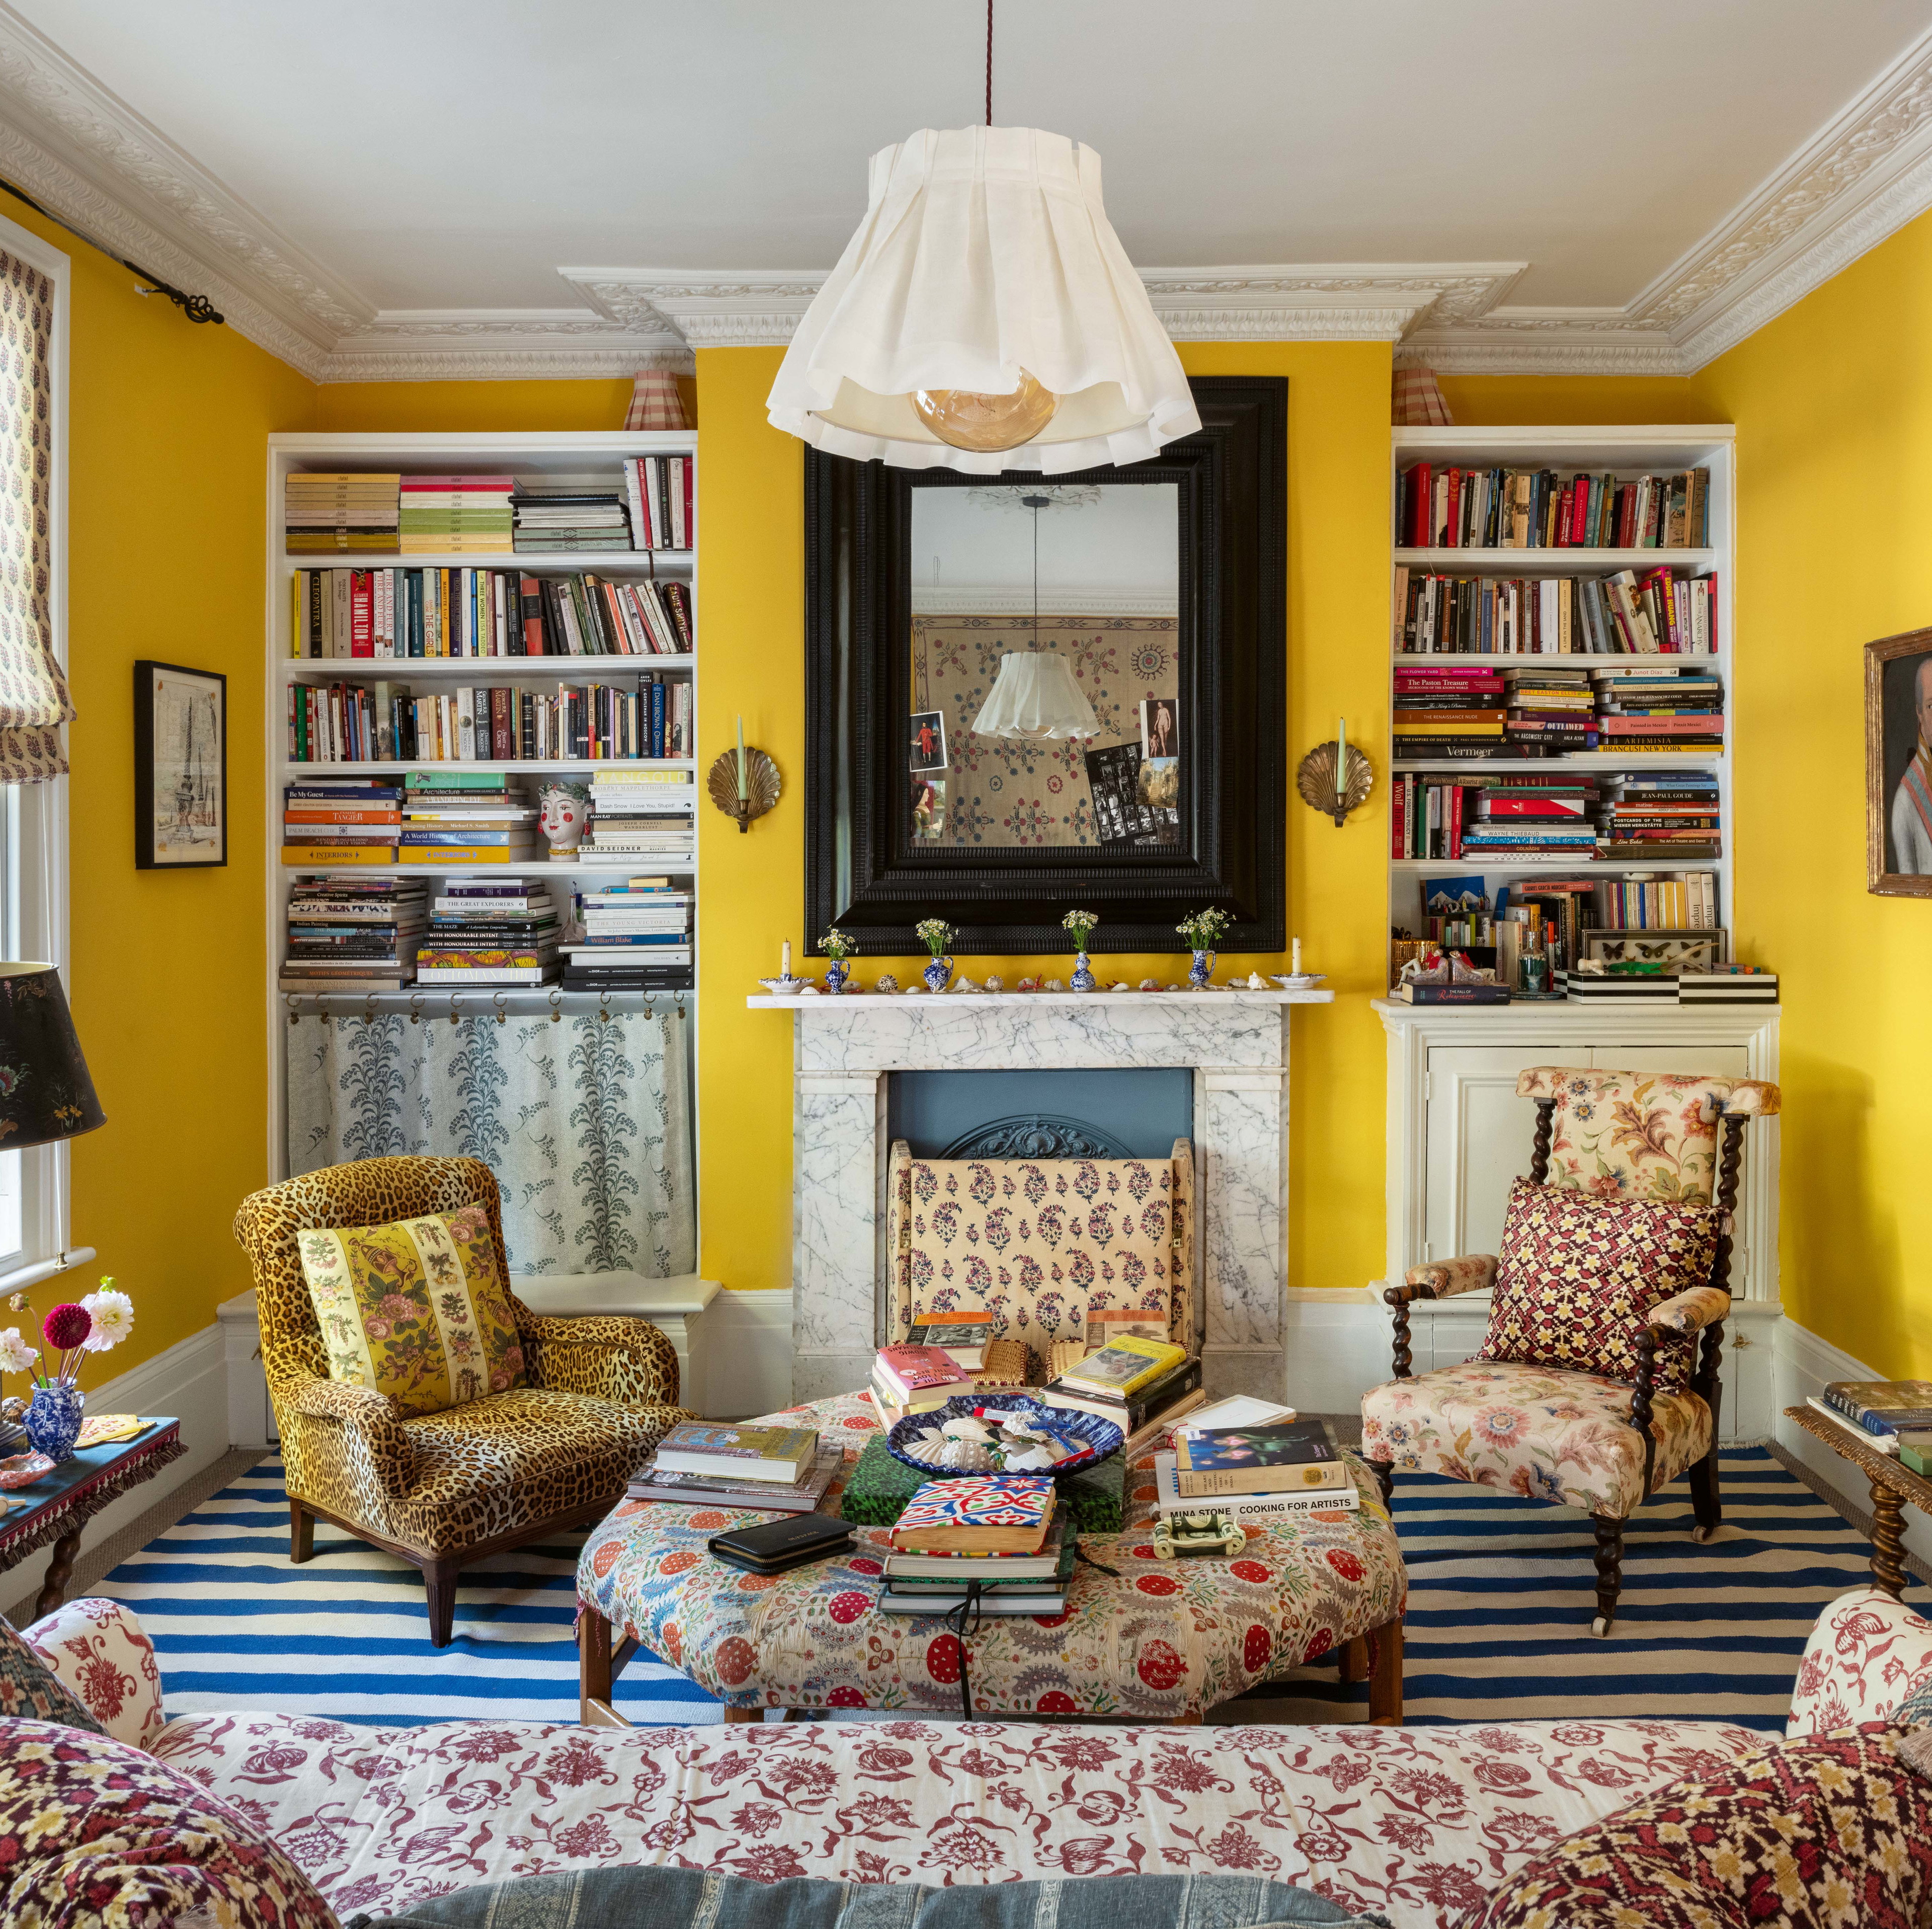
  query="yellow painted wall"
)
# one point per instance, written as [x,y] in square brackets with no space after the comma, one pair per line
[166,453]
[1508,399]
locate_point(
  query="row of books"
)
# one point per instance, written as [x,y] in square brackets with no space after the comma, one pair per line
[1893,1417]
[1458,913]
[1638,817]
[663,501]
[463,612]
[1622,614]
[336,511]
[383,722]
[1455,508]
[1456,710]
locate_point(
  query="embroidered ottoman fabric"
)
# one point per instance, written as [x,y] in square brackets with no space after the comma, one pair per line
[1041,1244]
[1577,1276]
[1533,1431]
[1419,1823]
[1832,1832]
[1154,1638]
[102,1655]
[1868,1655]
[93,1832]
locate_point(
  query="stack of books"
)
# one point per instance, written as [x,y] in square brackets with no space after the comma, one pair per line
[481,929]
[347,932]
[340,512]
[614,913]
[1670,708]
[1522,817]
[1550,711]
[341,820]
[915,1379]
[1660,816]
[777,1469]
[1143,1385]
[455,515]
[551,521]
[1001,1530]
[1449,711]
[636,815]
[963,1337]
[1891,1416]
[466,816]
[1254,1461]
[659,490]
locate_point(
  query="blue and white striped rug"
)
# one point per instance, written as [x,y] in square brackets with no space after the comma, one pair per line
[1501,1593]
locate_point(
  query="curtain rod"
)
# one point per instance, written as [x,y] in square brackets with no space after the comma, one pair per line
[196,307]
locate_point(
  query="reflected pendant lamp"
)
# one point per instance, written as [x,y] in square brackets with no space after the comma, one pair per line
[1035,697]
[984,317]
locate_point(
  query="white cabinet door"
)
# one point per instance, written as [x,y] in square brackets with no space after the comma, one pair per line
[1479,1134]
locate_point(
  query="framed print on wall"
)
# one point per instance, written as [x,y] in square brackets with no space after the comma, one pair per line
[181,767]
[1898,765]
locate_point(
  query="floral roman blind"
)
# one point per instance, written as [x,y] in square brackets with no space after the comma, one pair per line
[34,700]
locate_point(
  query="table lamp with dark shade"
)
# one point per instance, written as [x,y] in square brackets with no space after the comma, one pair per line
[45,1091]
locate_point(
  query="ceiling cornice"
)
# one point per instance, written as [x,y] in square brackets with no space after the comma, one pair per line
[87,156]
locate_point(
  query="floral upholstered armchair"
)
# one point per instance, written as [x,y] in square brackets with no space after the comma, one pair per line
[443,1489]
[1597,1385]
[1041,1244]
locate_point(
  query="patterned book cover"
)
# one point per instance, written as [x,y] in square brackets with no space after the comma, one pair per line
[741,1443]
[1003,1502]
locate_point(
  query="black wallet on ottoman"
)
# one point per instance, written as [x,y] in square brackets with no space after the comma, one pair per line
[773,1546]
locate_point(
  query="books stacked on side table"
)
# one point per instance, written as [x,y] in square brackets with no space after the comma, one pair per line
[1254,1461]
[1891,1416]
[350,933]
[482,928]
[915,1379]
[780,1469]
[1142,1385]
[1000,1530]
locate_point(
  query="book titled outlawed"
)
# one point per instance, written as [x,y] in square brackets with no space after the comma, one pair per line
[1287,1456]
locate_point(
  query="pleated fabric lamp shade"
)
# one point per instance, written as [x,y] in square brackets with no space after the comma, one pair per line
[1035,696]
[985,268]
[46,1090]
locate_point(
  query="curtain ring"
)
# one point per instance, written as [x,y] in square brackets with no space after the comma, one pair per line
[415,1007]
[454,1014]
[369,1009]
[648,1013]
[603,1007]
[295,1008]
[556,1007]
[502,1008]
[680,1006]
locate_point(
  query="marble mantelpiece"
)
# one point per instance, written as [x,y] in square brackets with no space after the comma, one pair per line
[1236,1042]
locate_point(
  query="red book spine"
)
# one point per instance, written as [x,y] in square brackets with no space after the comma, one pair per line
[1453,533]
[1421,496]
[1455,820]
[1398,816]
[529,591]
[361,614]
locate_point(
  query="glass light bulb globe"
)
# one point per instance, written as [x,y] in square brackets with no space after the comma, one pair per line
[964,418]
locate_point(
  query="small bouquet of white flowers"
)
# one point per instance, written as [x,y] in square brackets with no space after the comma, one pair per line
[1081,924]
[935,934]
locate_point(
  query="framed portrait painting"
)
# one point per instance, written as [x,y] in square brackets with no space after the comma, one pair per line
[1898,765]
[181,767]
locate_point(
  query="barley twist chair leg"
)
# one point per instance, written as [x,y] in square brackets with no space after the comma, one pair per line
[1610,1571]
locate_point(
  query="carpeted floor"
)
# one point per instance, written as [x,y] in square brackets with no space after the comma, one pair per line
[1501,1593]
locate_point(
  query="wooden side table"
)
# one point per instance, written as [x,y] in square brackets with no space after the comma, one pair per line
[58,1505]
[1893,1488]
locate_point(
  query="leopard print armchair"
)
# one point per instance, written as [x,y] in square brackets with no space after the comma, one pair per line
[442,1490]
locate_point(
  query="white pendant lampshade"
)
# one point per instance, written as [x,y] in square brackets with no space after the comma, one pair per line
[1034,696]
[984,302]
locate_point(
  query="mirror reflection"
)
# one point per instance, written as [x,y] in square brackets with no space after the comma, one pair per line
[1046,666]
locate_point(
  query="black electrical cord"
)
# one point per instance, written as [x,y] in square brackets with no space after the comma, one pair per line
[196,307]
[989,63]
[956,1619]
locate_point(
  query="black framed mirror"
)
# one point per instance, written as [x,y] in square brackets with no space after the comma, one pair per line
[934,604]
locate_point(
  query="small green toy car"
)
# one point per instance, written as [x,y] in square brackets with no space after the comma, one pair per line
[1185,1534]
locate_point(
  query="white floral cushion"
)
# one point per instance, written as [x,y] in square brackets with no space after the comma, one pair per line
[105,1660]
[1536,1431]
[1868,1653]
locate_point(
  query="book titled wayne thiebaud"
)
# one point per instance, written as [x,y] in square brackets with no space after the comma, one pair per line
[781,1453]
[1286,1456]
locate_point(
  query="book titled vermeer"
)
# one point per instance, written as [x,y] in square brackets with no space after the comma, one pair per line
[998,1513]
[781,1453]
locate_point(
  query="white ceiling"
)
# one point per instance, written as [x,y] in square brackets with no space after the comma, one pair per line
[371,174]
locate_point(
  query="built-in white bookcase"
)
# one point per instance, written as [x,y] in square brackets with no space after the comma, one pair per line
[587,459]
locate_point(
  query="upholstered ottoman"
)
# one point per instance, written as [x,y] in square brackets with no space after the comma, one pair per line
[1140,1640]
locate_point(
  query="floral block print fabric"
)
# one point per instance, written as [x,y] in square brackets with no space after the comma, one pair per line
[1867,1656]
[95,1834]
[1532,1431]
[1653,1134]
[1150,1637]
[1833,1832]
[103,1657]
[417,1310]
[1577,1277]
[1039,1244]
[1691,1312]
[1418,1823]
[30,1690]
[1474,1273]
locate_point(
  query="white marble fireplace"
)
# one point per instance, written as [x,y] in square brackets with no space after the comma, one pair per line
[1235,1042]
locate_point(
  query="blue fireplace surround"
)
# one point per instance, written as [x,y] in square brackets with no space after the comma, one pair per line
[1136,1114]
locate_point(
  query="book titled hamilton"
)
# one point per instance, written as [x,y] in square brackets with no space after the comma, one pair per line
[1283,1457]
[780,1454]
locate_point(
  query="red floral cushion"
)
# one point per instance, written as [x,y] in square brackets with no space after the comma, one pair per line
[1832,1832]
[1577,1274]
[95,1832]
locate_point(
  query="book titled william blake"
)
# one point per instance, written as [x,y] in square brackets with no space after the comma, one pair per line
[1285,1457]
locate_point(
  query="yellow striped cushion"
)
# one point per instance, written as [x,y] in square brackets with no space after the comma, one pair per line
[417,1310]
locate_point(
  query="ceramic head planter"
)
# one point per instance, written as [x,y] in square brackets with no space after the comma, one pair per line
[564,812]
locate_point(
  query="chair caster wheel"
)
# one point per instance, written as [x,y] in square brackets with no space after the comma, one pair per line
[1705,1534]
[1600,1626]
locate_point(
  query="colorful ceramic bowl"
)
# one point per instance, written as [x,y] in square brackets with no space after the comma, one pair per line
[1093,1439]
[24,1469]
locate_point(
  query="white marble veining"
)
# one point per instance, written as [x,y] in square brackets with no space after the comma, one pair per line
[1236,1042]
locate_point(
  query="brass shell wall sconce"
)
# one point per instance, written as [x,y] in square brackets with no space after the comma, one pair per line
[1335,779]
[744,784]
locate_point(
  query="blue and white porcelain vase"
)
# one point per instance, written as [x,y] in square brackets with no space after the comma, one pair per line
[1202,969]
[836,974]
[53,1420]
[1083,979]
[938,974]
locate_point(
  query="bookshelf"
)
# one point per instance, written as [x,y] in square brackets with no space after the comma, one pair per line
[556,461]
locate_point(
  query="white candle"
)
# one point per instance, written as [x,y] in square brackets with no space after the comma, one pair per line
[1341,760]
[785,960]
[741,781]
[1295,965]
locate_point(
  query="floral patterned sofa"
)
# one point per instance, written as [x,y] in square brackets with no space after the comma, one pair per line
[1420,1824]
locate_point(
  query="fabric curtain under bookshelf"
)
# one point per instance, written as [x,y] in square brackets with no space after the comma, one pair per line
[585,1122]
[34,700]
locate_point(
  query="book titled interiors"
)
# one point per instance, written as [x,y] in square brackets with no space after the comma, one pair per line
[781,1453]
[1286,1456]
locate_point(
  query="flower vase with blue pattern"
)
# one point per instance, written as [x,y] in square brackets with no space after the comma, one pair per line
[938,974]
[53,1420]
[1202,969]
[836,975]
[1083,979]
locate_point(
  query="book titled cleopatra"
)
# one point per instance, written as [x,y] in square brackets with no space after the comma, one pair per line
[995,1513]
[781,1453]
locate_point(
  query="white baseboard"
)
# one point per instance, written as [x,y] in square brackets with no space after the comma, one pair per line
[750,1368]
[1805,1364]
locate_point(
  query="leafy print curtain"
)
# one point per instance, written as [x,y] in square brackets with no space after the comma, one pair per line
[586,1122]
[34,700]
